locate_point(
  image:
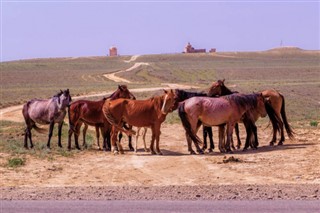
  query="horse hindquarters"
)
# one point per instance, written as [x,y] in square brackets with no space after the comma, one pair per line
[190,128]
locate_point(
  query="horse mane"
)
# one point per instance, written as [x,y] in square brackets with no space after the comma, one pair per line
[183,95]
[243,100]
[225,90]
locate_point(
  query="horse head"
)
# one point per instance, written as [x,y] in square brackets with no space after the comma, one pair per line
[64,99]
[168,101]
[216,88]
[261,108]
[122,92]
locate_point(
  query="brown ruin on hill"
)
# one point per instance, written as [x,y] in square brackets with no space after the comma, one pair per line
[190,49]
[113,51]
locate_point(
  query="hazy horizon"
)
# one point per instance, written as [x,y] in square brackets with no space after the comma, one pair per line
[47,29]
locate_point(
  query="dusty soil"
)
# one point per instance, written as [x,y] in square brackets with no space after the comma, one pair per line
[291,171]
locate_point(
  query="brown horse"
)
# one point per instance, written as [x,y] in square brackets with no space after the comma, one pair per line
[140,113]
[48,111]
[215,112]
[90,113]
[277,102]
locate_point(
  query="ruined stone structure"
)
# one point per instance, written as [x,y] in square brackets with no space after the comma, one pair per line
[113,51]
[189,49]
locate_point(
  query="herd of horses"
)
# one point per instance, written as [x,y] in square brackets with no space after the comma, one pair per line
[120,112]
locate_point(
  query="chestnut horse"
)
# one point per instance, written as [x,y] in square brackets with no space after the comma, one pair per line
[140,113]
[48,111]
[215,112]
[90,113]
[277,103]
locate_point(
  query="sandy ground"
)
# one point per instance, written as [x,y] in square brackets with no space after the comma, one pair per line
[293,169]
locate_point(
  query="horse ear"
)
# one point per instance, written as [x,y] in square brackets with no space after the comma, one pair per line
[223,80]
[165,91]
[120,87]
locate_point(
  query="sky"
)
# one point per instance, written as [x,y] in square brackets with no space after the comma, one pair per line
[46,29]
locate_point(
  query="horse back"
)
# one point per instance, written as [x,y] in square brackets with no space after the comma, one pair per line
[138,113]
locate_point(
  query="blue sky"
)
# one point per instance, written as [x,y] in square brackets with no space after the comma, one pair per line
[41,29]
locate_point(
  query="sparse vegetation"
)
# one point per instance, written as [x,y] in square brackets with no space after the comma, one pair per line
[314,123]
[16,162]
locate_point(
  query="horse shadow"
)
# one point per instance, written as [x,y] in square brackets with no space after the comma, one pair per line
[268,148]
[165,152]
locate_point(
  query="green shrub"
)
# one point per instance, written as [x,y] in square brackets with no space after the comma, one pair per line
[16,162]
[314,123]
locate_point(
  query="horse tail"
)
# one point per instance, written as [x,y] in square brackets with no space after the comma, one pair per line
[275,120]
[112,120]
[289,130]
[40,130]
[186,124]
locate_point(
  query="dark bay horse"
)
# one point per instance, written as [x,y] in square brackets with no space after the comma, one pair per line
[90,113]
[215,112]
[140,113]
[181,95]
[277,103]
[47,111]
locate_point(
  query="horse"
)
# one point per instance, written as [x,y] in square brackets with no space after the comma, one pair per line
[140,113]
[45,111]
[90,113]
[277,103]
[215,112]
[181,95]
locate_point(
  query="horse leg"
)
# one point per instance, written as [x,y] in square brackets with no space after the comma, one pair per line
[256,142]
[114,135]
[70,132]
[106,139]
[77,134]
[144,139]
[222,138]
[50,133]
[158,133]
[281,132]
[205,134]
[236,127]
[130,141]
[84,133]
[189,141]
[152,141]
[230,127]
[199,150]
[60,125]
[26,135]
[98,136]
[211,139]
[137,138]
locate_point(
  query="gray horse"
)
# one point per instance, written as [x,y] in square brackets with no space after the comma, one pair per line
[48,111]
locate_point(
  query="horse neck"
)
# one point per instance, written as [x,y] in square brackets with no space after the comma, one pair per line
[225,91]
[114,95]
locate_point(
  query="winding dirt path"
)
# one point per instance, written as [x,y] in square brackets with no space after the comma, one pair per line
[14,113]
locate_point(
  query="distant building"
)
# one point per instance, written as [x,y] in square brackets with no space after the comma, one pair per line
[189,49]
[113,51]
[212,50]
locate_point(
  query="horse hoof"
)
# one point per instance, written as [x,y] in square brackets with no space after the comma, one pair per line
[280,143]
[115,152]
[210,150]
[192,152]
[153,153]
[131,149]
[271,143]
[159,153]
